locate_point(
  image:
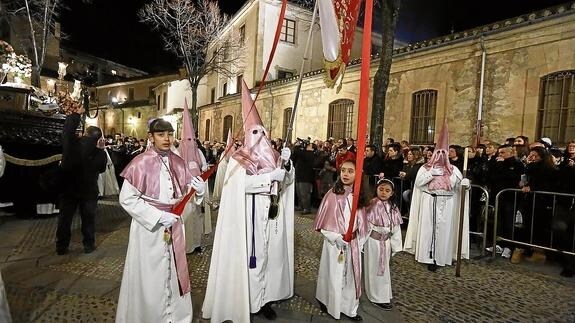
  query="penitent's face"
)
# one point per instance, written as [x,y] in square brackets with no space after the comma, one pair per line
[162,140]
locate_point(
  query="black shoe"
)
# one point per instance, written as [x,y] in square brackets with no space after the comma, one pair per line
[322,307]
[566,272]
[356,318]
[62,251]
[89,249]
[432,267]
[197,251]
[268,312]
[385,306]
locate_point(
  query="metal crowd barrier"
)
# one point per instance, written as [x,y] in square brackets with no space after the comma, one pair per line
[485,214]
[533,204]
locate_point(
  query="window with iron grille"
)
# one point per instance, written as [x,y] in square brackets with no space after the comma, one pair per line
[423,107]
[207,130]
[556,114]
[288,31]
[227,125]
[287,119]
[340,119]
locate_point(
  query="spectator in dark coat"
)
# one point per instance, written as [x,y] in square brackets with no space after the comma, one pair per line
[304,157]
[83,159]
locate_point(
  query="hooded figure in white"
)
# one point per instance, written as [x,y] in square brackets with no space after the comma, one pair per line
[197,224]
[252,260]
[222,166]
[435,206]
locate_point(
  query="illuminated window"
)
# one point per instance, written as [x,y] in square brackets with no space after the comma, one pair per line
[423,106]
[207,130]
[340,119]
[556,114]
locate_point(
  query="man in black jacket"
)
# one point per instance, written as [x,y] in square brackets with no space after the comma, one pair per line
[304,159]
[82,160]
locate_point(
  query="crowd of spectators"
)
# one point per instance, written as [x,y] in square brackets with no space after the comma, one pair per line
[515,163]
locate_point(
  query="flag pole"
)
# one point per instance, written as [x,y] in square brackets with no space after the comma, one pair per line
[463,194]
[300,76]
[362,112]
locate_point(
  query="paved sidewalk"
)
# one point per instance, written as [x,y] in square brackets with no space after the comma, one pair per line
[44,287]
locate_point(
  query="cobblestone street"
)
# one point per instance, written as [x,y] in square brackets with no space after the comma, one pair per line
[78,287]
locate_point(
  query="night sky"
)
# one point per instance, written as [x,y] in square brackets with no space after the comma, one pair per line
[111,28]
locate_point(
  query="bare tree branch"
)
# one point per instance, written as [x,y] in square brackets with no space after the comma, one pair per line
[190,29]
[40,16]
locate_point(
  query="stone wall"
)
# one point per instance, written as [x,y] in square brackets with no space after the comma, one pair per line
[516,60]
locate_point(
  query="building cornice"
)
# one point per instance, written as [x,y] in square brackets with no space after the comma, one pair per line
[455,38]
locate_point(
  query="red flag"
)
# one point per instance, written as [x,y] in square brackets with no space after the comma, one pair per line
[362,111]
[338,20]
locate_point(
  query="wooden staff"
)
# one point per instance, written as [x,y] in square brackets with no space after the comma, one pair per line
[461,216]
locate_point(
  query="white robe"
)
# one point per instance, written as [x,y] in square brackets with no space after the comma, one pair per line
[4,309]
[219,181]
[233,289]
[196,223]
[149,290]
[378,288]
[335,281]
[107,182]
[419,236]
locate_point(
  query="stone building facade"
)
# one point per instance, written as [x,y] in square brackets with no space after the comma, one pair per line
[528,88]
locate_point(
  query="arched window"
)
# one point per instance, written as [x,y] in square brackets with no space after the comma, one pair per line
[207,130]
[228,121]
[340,119]
[287,117]
[556,114]
[423,107]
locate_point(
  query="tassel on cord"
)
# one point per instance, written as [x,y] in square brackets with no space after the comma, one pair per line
[253,255]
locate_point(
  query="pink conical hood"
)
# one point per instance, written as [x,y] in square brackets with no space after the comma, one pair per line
[188,147]
[439,159]
[251,116]
[257,155]
[443,140]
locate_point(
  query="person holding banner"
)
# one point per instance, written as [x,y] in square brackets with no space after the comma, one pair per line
[156,284]
[435,210]
[340,258]
[252,262]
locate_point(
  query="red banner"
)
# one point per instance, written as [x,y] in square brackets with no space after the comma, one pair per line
[338,20]
[362,112]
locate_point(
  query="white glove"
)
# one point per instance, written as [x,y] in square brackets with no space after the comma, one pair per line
[199,185]
[340,243]
[277,174]
[437,171]
[285,155]
[465,183]
[204,167]
[168,219]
